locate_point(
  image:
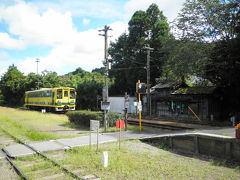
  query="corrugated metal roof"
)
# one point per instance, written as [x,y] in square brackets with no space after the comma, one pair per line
[195,90]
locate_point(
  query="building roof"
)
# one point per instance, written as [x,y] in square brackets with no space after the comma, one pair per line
[162,85]
[195,90]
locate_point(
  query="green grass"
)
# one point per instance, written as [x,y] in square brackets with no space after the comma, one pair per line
[32,125]
[22,132]
[40,164]
[135,161]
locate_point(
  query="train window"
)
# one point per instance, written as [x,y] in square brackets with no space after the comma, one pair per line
[59,94]
[72,94]
[65,93]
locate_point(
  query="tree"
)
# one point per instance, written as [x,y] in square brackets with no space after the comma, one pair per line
[223,69]
[50,79]
[129,53]
[89,91]
[209,20]
[12,86]
[186,60]
[33,81]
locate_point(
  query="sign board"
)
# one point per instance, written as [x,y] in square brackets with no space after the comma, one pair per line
[105,105]
[105,94]
[94,125]
[135,103]
[139,106]
[120,124]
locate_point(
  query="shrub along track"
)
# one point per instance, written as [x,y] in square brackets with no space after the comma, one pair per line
[41,166]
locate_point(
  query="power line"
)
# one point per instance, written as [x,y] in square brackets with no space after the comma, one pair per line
[128,68]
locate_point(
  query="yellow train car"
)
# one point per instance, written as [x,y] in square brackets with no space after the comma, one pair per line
[51,99]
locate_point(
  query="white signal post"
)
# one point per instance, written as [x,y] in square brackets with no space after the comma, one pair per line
[139,109]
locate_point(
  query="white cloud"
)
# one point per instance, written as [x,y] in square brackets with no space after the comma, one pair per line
[7,42]
[85,50]
[86,21]
[169,8]
[54,27]
[48,28]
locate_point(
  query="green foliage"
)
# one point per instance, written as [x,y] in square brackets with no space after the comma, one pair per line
[223,69]
[216,23]
[208,20]
[89,91]
[83,117]
[129,54]
[186,59]
[50,79]
[113,117]
[12,86]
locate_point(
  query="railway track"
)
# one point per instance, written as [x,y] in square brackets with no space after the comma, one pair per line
[156,125]
[41,166]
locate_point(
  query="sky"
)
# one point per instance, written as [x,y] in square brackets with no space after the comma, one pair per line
[63,34]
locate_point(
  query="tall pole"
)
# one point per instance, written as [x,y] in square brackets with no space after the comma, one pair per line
[106,62]
[149,49]
[37,61]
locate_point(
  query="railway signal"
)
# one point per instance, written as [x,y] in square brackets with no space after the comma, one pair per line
[141,88]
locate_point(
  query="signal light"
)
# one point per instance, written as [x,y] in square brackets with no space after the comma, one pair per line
[141,88]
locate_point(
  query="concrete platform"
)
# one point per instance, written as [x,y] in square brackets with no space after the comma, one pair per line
[18,150]
[84,140]
[61,144]
[54,145]
[48,146]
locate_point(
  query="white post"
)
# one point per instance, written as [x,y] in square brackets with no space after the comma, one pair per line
[105,159]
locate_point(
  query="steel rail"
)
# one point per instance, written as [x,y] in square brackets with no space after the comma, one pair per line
[17,170]
[39,153]
[162,126]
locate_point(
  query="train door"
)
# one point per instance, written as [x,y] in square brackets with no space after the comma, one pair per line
[65,96]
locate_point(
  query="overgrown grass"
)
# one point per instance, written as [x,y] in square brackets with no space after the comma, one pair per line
[34,171]
[29,125]
[135,161]
[22,132]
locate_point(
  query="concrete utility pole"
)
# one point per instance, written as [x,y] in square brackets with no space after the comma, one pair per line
[106,63]
[149,49]
[37,61]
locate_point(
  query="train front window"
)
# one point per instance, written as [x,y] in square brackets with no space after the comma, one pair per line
[65,93]
[59,94]
[72,94]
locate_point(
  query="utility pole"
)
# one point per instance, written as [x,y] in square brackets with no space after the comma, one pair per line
[149,49]
[106,63]
[37,61]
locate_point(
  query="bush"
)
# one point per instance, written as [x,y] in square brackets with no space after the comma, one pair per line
[83,117]
[113,117]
